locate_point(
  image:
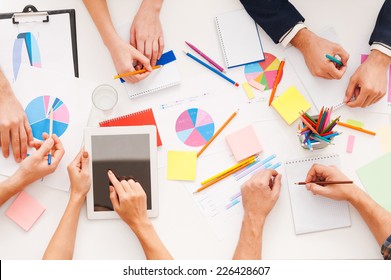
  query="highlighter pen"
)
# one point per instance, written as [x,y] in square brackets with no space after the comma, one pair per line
[211,69]
[333,59]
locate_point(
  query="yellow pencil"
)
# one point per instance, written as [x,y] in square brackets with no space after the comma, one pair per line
[217,133]
[136,72]
[215,180]
[242,163]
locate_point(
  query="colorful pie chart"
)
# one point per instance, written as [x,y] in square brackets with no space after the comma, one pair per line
[194,127]
[264,72]
[38,114]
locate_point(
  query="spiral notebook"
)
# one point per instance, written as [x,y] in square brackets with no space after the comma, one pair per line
[312,213]
[165,77]
[239,38]
[144,117]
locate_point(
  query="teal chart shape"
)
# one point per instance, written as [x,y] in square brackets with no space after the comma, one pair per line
[194,127]
[38,114]
[25,45]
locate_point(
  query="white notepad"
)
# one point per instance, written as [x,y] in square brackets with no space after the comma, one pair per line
[159,79]
[239,38]
[313,213]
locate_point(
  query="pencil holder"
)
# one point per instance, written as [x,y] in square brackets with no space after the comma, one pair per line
[311,141]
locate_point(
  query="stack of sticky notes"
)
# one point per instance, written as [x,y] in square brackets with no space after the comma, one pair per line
[244,143]
[182,165]
[25,211]
[290,104]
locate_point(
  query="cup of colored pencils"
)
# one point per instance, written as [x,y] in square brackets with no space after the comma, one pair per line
[316,132]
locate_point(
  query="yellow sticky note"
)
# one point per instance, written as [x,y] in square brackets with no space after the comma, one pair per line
[290,104]
[355,123]
[248,90]
[181,165]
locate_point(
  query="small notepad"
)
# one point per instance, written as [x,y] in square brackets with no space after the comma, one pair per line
[290,104]
[376,179]
[159,79]
[181,165]
[244,143]
[313,213]
[145,117]
[239,38]
[25,211]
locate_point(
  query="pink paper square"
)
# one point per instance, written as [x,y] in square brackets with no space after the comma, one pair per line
[244,143]
[25,211]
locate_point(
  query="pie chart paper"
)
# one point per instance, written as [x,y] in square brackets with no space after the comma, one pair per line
[38,114]
[194,127]
[264,72]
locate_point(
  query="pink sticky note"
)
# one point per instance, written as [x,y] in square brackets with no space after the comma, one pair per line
[256,85]
[349,147]
[244,143]
[25,211]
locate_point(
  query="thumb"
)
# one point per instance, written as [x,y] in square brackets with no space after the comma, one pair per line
[144,61]
[84,161]
[45,147]
[350,91]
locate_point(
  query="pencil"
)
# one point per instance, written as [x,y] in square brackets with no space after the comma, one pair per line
[217,133]
[308,125]
[276,81]
[50,135]
[225,175]
[333,59]
[211,69]
[356,128]
[221,69]
[136,72]
[222,173]
[322,183]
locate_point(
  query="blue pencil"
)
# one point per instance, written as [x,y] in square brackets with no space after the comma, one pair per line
[211,69]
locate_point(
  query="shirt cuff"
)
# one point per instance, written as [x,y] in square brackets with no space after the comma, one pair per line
[381,48]
[288,36]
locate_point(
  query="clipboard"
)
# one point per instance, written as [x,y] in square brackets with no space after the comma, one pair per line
[32,16]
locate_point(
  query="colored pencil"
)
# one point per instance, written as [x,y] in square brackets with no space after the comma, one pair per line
[333,59]
[50,135]
[309,125]
[217,132]
[325,182]
[135,72]
[319,118]
[211,69]
[240,164]
[221,69]
[277,81]
[356,128]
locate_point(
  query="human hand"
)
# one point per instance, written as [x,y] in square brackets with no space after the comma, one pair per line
[14,126]
[36,165]
[369,83]
[260,193]
[79,175]
[320,172]
[146,33]
[125,56]
[314,50]
[129,201]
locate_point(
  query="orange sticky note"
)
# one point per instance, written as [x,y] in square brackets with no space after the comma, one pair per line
[25,211]
[244,143]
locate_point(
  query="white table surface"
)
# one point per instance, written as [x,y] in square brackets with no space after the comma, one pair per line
[180,224]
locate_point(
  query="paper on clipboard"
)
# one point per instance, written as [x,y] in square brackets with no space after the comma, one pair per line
[47,42]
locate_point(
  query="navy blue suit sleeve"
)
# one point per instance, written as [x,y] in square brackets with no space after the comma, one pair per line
[276,17]
[382,31]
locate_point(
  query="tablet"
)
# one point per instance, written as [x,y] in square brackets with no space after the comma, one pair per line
[129,151]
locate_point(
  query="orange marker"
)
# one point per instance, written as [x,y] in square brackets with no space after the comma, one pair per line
[277,80]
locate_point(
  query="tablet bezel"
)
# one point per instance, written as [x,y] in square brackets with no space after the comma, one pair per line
[123,130]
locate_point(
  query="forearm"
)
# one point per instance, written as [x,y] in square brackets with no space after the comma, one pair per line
[10,187]
[100,15]
[62,244]
[377,218]
[250,241]
[153,247]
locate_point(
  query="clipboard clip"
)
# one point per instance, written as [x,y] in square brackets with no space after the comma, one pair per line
[30,14]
